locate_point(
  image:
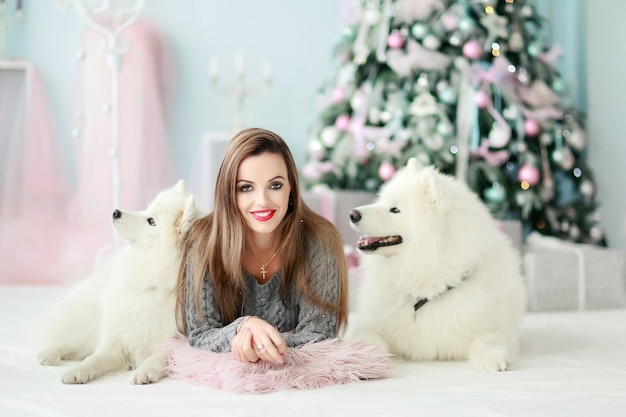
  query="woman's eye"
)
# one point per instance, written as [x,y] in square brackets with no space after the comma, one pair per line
[276,186]
[151,221]
[245,188]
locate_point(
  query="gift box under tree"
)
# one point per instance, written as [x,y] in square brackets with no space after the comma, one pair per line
[567,276]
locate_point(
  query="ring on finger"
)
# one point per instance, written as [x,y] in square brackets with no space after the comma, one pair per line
[260,348]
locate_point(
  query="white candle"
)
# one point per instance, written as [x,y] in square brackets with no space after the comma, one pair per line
[239,64]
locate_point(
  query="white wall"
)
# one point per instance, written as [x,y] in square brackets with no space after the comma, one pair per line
[296,36]
[606,70]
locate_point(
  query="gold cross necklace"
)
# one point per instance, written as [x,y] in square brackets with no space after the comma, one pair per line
[267,263]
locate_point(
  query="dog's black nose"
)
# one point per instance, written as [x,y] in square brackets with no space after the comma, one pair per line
[117,214]
[355,216]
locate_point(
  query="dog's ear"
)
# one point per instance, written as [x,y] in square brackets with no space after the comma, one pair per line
[190,214]
[431,186]
[180,186]
[414,164]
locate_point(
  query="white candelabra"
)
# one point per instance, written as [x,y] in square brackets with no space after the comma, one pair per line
[8,16]
[240,90]
[122,14]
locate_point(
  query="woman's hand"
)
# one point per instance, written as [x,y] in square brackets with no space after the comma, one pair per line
[257,339]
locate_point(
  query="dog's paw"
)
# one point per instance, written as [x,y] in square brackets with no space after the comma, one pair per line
[147,376]
[491,360]
[49,357]
[76,376]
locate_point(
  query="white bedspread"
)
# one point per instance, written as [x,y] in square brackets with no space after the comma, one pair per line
[571,364]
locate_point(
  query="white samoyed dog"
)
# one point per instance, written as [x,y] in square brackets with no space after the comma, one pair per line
[118,317]
[440,281]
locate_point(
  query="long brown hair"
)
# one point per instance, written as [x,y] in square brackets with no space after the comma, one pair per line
[216,242]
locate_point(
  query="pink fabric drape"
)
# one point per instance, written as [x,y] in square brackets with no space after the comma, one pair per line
[144,163]
[49,234]
[144,166]
[33,194]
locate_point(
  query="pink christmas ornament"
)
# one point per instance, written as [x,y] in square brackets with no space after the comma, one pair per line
[450,22]
[337,95]
[342,122]
[482,99]
[531,127]
[386,171]
[529,173]
[395,40]
[472,49]
[326,167]
[311,171]
[314,169]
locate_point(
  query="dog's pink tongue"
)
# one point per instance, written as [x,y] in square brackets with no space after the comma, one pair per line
[365,242]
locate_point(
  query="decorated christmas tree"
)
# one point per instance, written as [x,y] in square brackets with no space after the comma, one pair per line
[470,87]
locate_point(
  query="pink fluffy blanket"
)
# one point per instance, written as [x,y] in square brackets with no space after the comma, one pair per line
[315,365]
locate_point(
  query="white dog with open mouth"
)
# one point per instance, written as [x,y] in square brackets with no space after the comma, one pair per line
[440,281]
[118,318]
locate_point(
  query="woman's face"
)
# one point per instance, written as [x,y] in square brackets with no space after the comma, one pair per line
[263,191]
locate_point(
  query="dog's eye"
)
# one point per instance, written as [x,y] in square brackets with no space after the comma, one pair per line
[151,221]
[394,210]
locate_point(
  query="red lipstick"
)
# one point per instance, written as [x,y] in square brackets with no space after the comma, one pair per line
[263,216]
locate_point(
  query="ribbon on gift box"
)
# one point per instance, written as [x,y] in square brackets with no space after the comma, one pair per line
[351,256]
[327,202]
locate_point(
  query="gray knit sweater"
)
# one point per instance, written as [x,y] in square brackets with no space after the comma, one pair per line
[298,320]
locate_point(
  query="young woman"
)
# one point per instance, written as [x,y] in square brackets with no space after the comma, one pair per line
[262,272]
